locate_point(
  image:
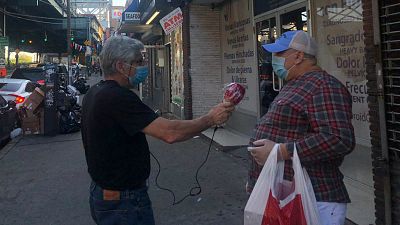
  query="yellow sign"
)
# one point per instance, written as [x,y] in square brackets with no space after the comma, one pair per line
[87,42]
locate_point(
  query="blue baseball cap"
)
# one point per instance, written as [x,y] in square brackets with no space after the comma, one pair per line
[297,39]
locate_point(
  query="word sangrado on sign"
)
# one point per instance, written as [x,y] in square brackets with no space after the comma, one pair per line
[172,21]
[132,16]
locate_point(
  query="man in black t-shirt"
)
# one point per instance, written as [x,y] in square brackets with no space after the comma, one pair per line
[114,127]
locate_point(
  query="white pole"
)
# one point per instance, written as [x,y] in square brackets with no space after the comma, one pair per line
[4,20]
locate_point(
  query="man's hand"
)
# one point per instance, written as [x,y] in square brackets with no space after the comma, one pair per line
[262,150]
[220,113]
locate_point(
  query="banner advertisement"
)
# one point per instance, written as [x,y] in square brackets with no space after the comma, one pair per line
[238,51]
[339,31]
[117,13]
[177,85]
[172,21]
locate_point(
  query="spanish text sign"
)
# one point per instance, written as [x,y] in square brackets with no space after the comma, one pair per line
[172,21]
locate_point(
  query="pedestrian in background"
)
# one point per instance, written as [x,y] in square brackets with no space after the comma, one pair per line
[88,59]
[313,111]
[114,127]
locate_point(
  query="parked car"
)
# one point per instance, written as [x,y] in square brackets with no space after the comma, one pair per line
[61,68]
[16,90]
[36,74]
[8,118]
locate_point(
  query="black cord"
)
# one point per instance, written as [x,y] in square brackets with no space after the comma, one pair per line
[192,192]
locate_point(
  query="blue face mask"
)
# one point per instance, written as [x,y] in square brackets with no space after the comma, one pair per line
[278,65]
[141,74]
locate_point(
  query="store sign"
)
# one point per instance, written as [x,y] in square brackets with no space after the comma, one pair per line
[172,21]
[4,41]
[132,16]
[340,35]
[238,52]
[117,13]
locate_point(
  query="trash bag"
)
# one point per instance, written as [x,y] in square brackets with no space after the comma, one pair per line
[81,86]
[69,122]
[275,201]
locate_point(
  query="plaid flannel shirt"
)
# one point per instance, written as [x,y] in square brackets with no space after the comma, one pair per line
[314,112]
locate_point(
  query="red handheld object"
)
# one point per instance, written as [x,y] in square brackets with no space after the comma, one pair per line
[234,93]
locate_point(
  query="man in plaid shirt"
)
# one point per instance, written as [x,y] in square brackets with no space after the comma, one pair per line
[312,111]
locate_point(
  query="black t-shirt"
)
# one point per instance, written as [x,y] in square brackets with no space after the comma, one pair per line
[117,153]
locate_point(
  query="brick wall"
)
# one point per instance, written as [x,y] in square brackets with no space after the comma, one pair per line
[205,58]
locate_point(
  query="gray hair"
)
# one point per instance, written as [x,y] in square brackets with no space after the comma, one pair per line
[119,48]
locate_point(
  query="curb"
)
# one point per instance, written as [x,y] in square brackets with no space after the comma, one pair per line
[9,146]
[219,146]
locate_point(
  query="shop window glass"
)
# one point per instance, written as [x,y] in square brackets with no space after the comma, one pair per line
[294,20]
[261,6]
[266,33]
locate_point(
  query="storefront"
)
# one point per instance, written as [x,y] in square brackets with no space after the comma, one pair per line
[337,26]
[164,88]
[175,52]
[239,61]
[198,58]
[269,26]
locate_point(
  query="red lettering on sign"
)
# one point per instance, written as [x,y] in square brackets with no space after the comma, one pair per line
[166,25]
[178,17]
[171,20]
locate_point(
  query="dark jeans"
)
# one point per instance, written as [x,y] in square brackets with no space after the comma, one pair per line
[133,208]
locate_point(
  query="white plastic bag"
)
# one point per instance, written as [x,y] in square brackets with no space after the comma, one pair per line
[275,201]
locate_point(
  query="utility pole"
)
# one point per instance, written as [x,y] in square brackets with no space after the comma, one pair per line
[69,41]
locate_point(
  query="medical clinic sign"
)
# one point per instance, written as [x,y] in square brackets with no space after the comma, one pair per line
[172,21]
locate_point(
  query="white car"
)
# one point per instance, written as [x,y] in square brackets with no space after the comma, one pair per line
[17,90]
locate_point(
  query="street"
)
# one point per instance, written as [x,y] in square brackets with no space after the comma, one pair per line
[44,181]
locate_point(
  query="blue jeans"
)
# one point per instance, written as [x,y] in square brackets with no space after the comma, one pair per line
[133,208]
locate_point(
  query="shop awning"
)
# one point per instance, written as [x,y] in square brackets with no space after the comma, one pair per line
[131,20]
[152,34]
[132,13]
[134,28]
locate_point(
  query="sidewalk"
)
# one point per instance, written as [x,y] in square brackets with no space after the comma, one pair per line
[44,181]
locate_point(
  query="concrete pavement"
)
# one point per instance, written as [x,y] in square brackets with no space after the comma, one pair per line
[44,181]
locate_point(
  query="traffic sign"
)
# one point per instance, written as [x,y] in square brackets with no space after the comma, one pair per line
[4,41]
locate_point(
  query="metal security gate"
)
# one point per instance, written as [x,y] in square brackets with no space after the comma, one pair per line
[390,27]
[390,40]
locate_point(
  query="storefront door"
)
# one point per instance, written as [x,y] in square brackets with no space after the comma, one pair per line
[160,85]
[270,26]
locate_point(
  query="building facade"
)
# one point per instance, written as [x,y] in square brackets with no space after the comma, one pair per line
[221,42]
